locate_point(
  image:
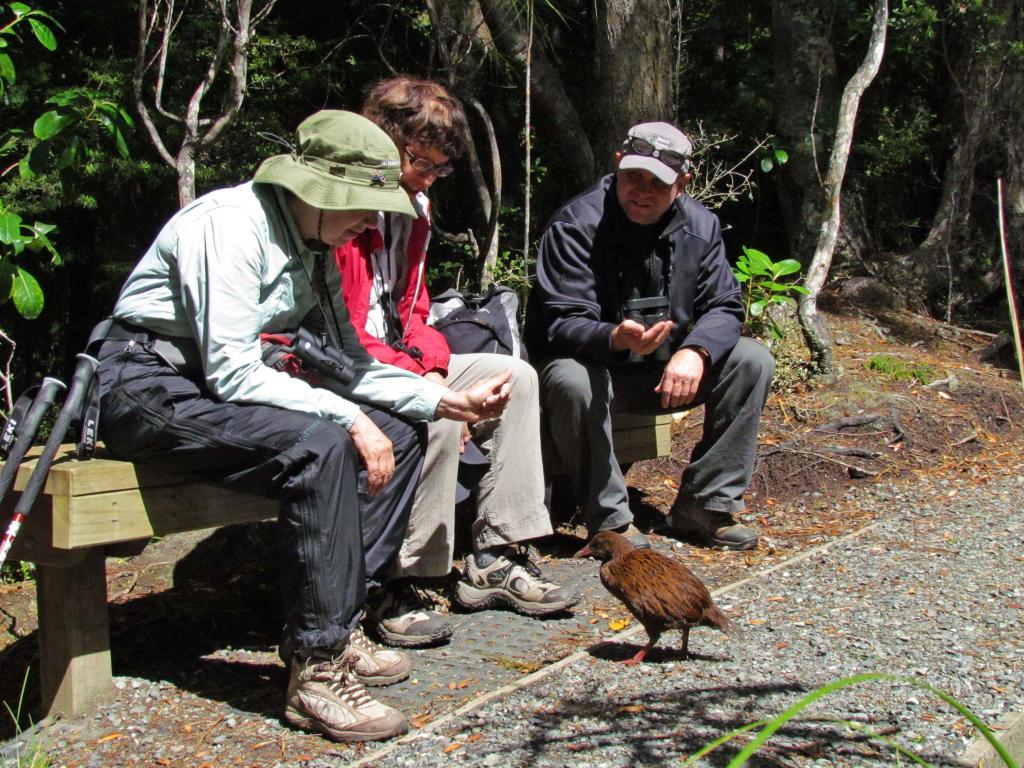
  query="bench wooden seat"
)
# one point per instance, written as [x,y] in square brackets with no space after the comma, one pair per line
[641,436]
[90,510]
[87,511]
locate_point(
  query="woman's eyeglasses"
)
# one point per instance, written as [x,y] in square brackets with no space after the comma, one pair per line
[674,160]
[423,165]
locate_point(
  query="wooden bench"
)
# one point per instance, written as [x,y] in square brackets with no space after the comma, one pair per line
[641,436]
[91,510]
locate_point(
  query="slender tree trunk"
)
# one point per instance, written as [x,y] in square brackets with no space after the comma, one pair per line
[815,330]
[157,20]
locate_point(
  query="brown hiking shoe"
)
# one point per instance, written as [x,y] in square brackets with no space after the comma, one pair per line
[710,528]
[325,695]
[374,664]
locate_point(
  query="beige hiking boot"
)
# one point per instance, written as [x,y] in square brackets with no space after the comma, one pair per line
[513,581]
[374,664]
[325,695]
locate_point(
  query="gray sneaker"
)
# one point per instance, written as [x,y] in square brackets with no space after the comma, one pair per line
[372,663]
[325,695]
[513,581]
[401,616]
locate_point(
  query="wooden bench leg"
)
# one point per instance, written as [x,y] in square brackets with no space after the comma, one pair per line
[74,635]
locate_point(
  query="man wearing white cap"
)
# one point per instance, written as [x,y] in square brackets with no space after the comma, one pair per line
[635,308]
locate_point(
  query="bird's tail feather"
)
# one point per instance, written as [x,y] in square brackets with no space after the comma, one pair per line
[713,617]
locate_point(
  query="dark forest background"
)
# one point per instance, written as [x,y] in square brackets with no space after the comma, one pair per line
[757,84]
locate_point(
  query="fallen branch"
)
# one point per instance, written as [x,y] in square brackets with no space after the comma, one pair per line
[848,421]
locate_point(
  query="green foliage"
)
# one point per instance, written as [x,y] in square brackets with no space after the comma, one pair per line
[31,754]
[901,371]
[772,158]
[64,132]
[760,277]
[60,142]
[16,236]
[14,571]
[39,22]
[770,726]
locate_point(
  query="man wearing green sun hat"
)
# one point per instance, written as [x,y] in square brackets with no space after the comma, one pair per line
[182,378]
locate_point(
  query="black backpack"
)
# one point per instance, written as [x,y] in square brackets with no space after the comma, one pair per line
[485,322]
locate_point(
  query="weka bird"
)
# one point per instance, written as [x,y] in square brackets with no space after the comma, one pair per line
[662,593]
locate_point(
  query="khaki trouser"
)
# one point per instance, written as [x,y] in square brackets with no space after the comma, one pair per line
[510,496]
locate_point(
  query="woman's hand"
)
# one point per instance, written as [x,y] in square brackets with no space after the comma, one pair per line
[486,399]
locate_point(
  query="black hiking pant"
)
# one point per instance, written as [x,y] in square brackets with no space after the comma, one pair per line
[334,538]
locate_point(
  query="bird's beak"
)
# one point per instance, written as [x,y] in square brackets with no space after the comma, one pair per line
[585,552]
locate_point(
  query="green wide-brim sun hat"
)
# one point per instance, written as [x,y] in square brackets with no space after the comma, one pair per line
[343,162]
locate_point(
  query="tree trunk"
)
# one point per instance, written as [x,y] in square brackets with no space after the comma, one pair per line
[555,110]
[815,330]
[635,69]
[987,91]
[806,98]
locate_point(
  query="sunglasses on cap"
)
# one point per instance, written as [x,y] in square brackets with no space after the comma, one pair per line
[674,160]
[423,165]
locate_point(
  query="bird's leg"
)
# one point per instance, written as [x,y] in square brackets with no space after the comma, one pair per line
[642,653]
[639,655]
[686,642]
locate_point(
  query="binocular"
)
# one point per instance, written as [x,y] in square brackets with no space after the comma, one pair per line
[648,311]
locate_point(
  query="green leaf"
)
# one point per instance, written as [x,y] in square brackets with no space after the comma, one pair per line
[767,164]
[20,9]
[43,34]
[757,308]
[65,98]
[27,295]
[799,289]
[49,124]
[759,261]
[6,68]
[781,156]
[786,267]
[10,227]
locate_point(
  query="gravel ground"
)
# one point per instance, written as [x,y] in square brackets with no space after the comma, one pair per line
[933,590]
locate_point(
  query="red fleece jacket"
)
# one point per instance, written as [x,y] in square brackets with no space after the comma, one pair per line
[355,263]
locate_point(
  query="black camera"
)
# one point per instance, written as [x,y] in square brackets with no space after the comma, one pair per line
[648,311]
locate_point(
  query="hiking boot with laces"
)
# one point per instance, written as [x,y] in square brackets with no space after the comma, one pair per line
[372,663]
[513,581]
[402,616]
[325,695]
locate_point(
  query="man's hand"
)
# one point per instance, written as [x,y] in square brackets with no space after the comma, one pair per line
[681,378]
[631,335]
[485,399]
[376,452]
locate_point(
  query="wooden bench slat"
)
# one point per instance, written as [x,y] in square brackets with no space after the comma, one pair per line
[107,518]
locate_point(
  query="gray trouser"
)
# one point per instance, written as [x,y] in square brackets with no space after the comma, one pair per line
[510,496]
[334,538]
[578,398]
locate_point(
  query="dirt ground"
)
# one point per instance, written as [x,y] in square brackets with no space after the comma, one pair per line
[819,446]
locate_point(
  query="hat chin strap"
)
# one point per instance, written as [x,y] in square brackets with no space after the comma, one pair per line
[319,226]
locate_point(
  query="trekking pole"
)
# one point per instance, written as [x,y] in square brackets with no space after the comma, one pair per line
[85,370]
[24,431]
